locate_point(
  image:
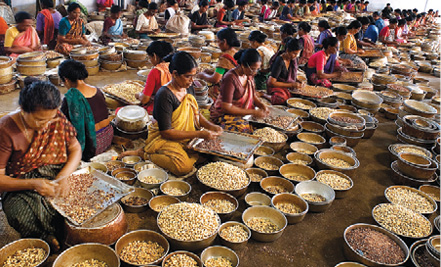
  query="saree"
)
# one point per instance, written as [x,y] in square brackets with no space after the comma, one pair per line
[81,117]
[262,76]
[117,28]
[168,154]
[308,49]
[27,211]
[49,26]
[166,77]
[226,62]
[311,73]
[28,38]
[280,95]
[75,31]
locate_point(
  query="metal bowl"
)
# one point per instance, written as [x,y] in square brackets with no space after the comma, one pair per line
[312,127]
[419,192]
[271,160]
[157,173]
[415,166]
[329,153]
[292,199]
[194,256]
[414,159]
[314,187]
[142,235]
[418,245]
[339,193]
[125,175]
[292,169]
[159,202]
[351,141]
[296,157]
[269,213]
[277,146]
[139,192]
[352,254]
[24,243]
[313,139]
[436,223]
[394,150]
[264,151]
[257,199]
[130,161]
[87,251]
[419,108]
[431,190]
[231,244]
[334,118]
[184,186]
[97,166]
[345,131]
[257,171]
[223,196]
[302,147]
[220,251]
[301,113]
[434,245]
[337,141]
[345,149]
[280,182]
[349,264]
[144,166]
[400,178]
[305,104]
[117,164]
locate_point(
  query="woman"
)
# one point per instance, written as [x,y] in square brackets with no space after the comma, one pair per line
[227,41]
[349,45]
[48,21]
[38,149]
[146,23]
[257,40]
[3,28]
[143,7]
[158,52]
[324,65]
[287,30]
[199,20]
[113,27]
[238,95]
[284,73]
[387,34]
[103,4]
[85,107]
[23,37]
[325,32]
[225,15]
[173,7]
[372,31]
[177,120]
[306,41]
[71,30]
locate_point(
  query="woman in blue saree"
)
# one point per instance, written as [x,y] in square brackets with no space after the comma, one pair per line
[113,27]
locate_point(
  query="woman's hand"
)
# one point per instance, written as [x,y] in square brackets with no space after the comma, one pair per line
[208,135]
[360,51]
[44,187]
[139,152]
[63,188]
[260,113]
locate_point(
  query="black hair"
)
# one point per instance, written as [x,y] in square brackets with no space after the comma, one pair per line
[203,3]
[263,2]
[161,49]
[430,10]
[72,6]
[144,3]
[242,3]
[324,24]
[293,45]
[305,26]
[291,2]
[303,2]
[282,1]
[363,20]
[288,29]
[330,41]
[409,18]
[229,3]
[397,10]
[312,8]
[340,31]
[72,70]
[310,1]
[30,80]
[393,21]
[275,4]
[355,24]
[115,9]
[182,62]
[367,2]
[423,13]
[153,6]
[375,14]
[230,36]
[47,3]
[21,16]
[329,8]
[418,16]
[39,95]
[247,56]
[415,10]
[358,2]
[371,19]
[401,22]
[257,36]
[171,2]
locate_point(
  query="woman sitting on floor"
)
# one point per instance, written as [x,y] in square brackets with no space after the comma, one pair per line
[177,120]
[238,94]
[257,40]
[23,37]
[113,27]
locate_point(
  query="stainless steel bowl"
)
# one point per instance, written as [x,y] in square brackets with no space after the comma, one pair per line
[314,187]
[220,251]
[400,178]
[280,182]
[349,264]
[257,199]
[271,160]
[142,235]
[313,139]
[293,199]
[329,153]
[139,192]
[194,256]
[157,173]
[24,243]
[293,156]
[87,251]
[98,166]
[125,175]
[302,147]
[419,192]
[223,196]
[257,171]
[264,151]
[231,244]
[290,169]
[159,202]
[184,186]
[131,160]
[339,193]
[432,191]
[269,213]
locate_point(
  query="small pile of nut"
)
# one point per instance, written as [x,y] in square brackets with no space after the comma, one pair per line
[255,177]
[277,121]
[300,105]
[125,176]
[311,197]
[287,207]
[142,252]
[337,162]
[113,165]
[218,262]
[220,205]
[267,166]
[27,257]
[407,149]
[90,263]
[321,112]
[270,135]
[261,152]
[134,201]
[262,225]
[297,177]
[188,221]
[402,221]
[125,90]
[276,189]
[223,176]
[300,161]
[305,151]
[180,260]
[409,199]
[234,233]
[150,180]
[174,191]
[335,181]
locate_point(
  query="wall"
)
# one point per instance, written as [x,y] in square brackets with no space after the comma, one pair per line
[406,4]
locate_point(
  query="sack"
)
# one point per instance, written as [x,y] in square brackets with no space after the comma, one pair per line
[178,23]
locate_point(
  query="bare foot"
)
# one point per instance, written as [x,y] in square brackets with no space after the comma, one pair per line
[53,243]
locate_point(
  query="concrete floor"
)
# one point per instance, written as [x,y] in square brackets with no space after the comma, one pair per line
[317,240]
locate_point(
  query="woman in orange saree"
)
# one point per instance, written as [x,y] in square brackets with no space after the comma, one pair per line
[23,37]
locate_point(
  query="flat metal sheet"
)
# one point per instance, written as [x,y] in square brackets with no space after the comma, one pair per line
[102,182]
[274,112]
[234,142]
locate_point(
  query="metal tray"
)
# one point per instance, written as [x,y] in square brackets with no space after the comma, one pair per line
[234,142]
[358,77]
[119,98]
[312,92]
[103,182]
[371,53]
[273,113]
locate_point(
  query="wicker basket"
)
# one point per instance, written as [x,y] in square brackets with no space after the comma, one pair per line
[31,70]
[8,87]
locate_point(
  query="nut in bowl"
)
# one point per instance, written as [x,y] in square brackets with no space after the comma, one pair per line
[87,253]
[276,185]
[268,163]
[337,161]
[137,201]
[299,158]
[182,258]
[340,182]
[257,199]
[219,256]
[312,138]
[131,160]
[318,195]
[222,203]
[292,206]
[30,251]
[125,175]
[159,202]
[266,224]
[178,189]
[411,198]
[264,151]
[302,147]
[152,178]
[256,174]
[297,172]
[234,235]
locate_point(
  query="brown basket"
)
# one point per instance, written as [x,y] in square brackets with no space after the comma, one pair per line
[8,87]
[31,70]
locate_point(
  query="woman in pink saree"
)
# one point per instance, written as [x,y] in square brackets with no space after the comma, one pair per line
[22,38]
